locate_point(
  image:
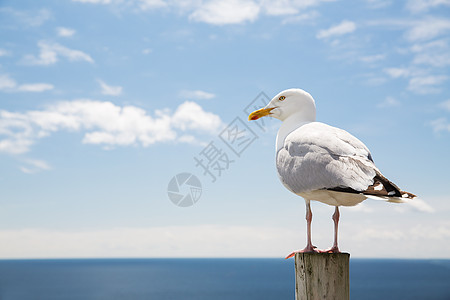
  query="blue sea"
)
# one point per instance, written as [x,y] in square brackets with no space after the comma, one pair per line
[216,279]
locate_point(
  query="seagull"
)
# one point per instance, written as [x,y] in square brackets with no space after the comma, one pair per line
[323,163]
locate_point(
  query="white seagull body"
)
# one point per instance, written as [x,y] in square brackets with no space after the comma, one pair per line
[323,163]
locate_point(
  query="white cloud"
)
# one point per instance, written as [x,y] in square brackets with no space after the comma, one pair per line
[190,115]
[288,7]
[196,95]
[65,32]
[7,82]
[223,12]
[10,85]
[417,204]
[423,53]
[309,16]
[364,239]
[376,4]
[440,124]
[417,30]
[167,241]
[109,89]
[280,7]
[342,28]
[50,52]
[372,58]
[400,237]
[151,4]
[373,79]
[428,29]
[418,6]
[4,52]
[103,123]
[361,207]
[426,84]
[435,53]
[372,234]
[94,1]
[389,102]
[398,72]
[35,87]
[34,166]
[445,105]
[29,18]
[419,81]
[147,51]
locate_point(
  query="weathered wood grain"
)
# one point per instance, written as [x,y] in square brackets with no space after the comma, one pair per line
[320,276]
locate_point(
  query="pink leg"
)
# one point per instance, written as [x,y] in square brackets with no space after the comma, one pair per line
[309,246]
[335,248]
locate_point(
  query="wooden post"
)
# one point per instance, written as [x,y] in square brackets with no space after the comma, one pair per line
[322,276]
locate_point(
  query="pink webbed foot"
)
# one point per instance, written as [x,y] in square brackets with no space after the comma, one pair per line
[330,250]
[308,249]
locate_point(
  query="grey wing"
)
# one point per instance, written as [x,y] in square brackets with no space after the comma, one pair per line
[317,156]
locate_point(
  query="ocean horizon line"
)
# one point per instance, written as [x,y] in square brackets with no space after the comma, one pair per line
[207,258]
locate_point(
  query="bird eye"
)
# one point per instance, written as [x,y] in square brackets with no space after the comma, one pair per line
[282,98]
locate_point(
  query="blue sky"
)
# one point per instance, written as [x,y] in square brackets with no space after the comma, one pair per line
[104,101]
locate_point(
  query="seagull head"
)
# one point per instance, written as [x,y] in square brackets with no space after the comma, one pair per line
[291,102]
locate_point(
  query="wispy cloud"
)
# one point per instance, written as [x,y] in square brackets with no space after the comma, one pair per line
[420,81]
[151,4]
[222,12]
[34,166]
[398,72]
[377,4]
[50,53]
[426,84]
[35,87]
[104,123]
[280,7]
[342,28]
[173,241]
[427,29]
[7,84]
[418,29]
[301,18]
[94,1]
[109,89]
[290,9]
[372,58]
[420,6]
[445,105]
[416,204]
[373,79]
[65,32]
[196,95]
[28,18]
[4,52]
[435,53]
[389,102]
[213,241]
[441,124]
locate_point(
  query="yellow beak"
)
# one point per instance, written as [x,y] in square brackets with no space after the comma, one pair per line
[260,113]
